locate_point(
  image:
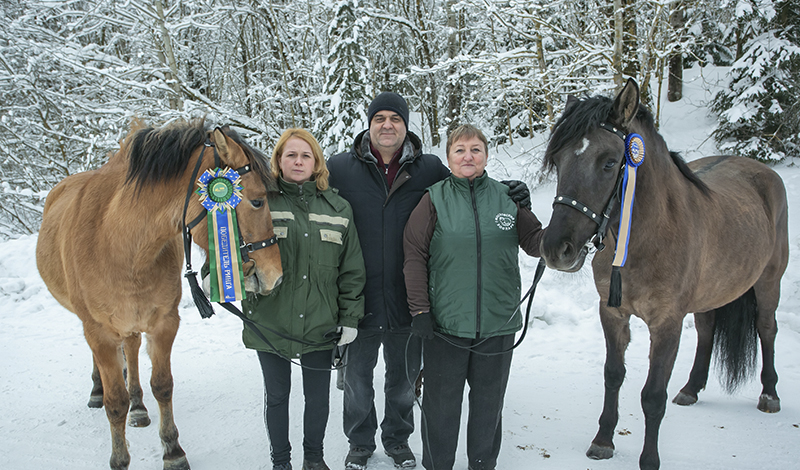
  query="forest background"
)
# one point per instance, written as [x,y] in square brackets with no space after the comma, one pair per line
[74,73]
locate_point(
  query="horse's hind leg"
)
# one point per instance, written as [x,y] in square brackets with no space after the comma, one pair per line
[96,396]
[767,295]
[618,335]
[698,377]
[159,345]
[138,413]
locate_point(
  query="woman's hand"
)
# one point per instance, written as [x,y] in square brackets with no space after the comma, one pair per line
[348,335]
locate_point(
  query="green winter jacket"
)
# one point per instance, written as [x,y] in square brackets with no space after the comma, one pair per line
[473,270]
[323,273]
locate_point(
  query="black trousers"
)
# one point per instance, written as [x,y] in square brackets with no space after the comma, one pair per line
[277,373]
[447,368]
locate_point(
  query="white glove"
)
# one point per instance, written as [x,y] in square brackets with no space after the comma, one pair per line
[348,335]
[207,286]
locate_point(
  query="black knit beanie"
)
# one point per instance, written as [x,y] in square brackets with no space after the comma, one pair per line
[388,101]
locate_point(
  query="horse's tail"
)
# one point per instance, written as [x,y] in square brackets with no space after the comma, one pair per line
[736,341]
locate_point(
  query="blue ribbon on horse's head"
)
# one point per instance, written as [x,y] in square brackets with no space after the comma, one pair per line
[634,156]
[220,192]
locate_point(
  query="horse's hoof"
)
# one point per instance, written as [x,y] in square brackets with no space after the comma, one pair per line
[684,399]
[138,419]
[769,404]
[597,452]
[176,464]
[95,401]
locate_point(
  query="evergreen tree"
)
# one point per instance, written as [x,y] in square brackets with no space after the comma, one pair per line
[759,113]
[346,84]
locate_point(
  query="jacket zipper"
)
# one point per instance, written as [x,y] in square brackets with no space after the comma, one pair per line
[478,236]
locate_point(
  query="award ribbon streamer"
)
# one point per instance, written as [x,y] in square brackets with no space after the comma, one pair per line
[634,156]
[220,193]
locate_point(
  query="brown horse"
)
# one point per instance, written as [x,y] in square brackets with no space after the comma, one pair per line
[110,250]
[709,237]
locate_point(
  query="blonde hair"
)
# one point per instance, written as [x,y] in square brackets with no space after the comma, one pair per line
[466,131]
[320,173]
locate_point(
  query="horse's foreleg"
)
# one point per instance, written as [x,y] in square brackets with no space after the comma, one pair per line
[698,377]
[138,413]
[618,334]
[664,341]
[159,345]
[108,359]
[767,301]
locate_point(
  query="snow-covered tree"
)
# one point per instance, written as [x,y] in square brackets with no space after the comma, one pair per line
[759,112]
[346,92]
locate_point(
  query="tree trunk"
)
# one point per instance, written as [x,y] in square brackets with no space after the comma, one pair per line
[675,80]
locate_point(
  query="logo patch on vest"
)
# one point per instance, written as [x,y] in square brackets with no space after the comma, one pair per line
[504,221]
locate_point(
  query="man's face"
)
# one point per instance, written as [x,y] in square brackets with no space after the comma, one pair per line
[387,131]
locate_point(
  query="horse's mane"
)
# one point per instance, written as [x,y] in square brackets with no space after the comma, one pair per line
[158,155]
[589,113]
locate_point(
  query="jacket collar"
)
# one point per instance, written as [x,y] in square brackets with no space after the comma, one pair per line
[412,148]
[463,183]
[307,189]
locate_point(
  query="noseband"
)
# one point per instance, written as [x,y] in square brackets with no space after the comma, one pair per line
[601,219]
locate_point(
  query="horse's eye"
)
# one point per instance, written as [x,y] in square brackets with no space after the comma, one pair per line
[610,165]
[257,203]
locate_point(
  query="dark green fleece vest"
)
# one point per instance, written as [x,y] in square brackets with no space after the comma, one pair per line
[474,281]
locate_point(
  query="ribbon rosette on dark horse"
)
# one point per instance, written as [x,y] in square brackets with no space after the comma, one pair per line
[220,192]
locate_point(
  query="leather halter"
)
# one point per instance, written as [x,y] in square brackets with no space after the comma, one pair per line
[244,248]
[600,219]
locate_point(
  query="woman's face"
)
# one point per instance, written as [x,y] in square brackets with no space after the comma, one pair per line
[297,161]
[467,158]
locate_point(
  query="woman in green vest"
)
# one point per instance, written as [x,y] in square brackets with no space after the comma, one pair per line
[319,301]
[462,277]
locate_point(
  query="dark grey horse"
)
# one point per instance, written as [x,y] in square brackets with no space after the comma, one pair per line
[709,237]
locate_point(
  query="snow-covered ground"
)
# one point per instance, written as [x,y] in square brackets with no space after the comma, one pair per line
[554,396]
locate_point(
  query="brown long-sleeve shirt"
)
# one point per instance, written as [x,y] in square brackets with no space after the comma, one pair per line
[417,240]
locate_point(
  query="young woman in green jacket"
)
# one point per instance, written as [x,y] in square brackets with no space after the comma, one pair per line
[319,302]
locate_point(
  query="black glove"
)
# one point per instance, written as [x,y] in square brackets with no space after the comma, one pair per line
[518,192]
[422,325]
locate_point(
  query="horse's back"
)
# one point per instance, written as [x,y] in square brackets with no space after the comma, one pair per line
[745,181]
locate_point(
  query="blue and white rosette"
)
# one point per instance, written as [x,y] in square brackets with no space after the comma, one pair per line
[634,156]
[220,192]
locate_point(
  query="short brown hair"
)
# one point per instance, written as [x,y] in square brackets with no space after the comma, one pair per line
[320,173]
[466,131]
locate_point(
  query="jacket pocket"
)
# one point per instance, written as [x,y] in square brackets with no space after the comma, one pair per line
[330,247]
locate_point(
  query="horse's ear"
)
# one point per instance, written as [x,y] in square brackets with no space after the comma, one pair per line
[220,142]
[571,101]
[626,104]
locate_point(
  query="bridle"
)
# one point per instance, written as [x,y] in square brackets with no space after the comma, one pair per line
[244,248]
[602,218]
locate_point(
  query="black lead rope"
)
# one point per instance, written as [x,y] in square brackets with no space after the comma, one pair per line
[529,295]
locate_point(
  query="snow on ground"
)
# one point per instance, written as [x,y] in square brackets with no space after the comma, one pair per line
[554,396]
